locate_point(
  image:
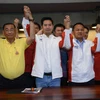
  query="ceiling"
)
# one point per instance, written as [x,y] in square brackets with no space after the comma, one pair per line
[51,7]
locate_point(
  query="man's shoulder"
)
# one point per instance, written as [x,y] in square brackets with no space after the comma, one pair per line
[2,39]
[21,40]
[39,35]
[88,41]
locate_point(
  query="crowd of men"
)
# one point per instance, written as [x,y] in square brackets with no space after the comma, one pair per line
[49,56]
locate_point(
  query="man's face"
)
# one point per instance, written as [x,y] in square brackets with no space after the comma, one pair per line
[85,33]
[47,27]
[9,31]
[78,32]
[36,28]
[98,28]
[58,31]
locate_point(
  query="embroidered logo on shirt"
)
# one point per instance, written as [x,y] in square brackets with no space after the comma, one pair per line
[76,46]
[40,39]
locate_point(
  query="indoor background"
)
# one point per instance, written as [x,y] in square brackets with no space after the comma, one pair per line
[85,11]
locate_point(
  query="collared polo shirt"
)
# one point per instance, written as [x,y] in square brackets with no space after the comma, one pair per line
[12,61]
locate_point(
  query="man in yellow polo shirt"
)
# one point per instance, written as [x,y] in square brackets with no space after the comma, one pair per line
[12,64]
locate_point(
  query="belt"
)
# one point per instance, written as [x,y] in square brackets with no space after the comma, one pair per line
[48,74]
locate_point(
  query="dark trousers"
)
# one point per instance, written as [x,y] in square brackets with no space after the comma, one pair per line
[24,81]
[64,81]
[97,82]
[89,83]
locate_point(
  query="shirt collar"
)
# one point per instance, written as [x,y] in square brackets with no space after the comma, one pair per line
[49,35]
[79,41]
[8,42]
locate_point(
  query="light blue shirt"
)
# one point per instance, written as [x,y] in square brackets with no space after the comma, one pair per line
[80,43]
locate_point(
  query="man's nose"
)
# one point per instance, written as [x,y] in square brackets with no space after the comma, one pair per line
[9,31]
[47,26]
[80,31]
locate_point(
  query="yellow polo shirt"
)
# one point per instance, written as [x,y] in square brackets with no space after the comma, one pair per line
[12,61]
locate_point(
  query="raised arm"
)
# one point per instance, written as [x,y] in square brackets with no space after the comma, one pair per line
[40,32]
[30,19]
[16,22]
[67,36]
[67,22]
[96,41]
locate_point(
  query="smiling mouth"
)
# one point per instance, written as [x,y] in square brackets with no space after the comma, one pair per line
[47,30]
[9,35]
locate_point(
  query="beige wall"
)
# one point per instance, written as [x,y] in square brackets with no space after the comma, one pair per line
[92,34]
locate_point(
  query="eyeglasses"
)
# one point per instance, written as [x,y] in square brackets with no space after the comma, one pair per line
[12,30]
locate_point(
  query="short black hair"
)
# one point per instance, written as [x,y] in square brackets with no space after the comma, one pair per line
[58,25]
[46,18]
[37,25]
[8,24]
[86,28]
[79,23]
